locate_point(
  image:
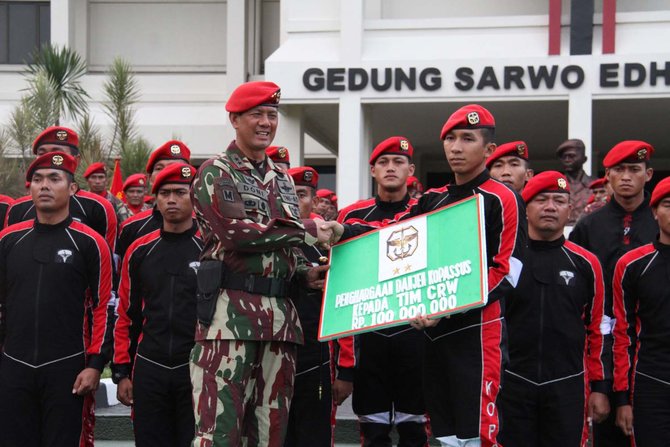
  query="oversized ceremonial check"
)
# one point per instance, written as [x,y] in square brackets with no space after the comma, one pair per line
[433,264]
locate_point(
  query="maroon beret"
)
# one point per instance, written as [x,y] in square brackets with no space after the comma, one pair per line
[325,194]
[94,168]
[661,191]
[278,154]
[516,148]
[413,182]
[180,173]
[547,181]
[171,150]
[253,94]
[135,181]
[52,160]
[630,151]
[472,116]
[393,145]
[57,135]
[598,183]
[304,176]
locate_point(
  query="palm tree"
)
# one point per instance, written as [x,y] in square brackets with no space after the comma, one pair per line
[121,93]
[63,68]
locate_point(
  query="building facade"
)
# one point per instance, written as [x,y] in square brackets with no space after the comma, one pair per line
[354,72]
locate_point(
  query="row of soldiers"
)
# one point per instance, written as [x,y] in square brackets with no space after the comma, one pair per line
[213,340]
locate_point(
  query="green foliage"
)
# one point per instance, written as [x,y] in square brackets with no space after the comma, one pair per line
[22,131]
[121,93]
[63,69]
[134,156]
[54,92]
[11,180]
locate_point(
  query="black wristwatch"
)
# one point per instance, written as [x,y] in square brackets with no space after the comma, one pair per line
[118,377]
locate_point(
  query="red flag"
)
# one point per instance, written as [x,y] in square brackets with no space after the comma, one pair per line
[117,181]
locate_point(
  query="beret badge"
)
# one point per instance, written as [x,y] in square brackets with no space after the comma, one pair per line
[174,149]
[186,172]
[57,160]
[642,154]
[562,183]
[307,176]
[61,135]
[404,145]
[521,149]
[283,153]
[473,118]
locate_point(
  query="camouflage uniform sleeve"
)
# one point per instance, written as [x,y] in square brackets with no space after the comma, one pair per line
[226,219]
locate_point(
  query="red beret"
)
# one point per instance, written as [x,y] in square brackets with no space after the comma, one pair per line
[516,148]
[661,191]
[52,160]
[394,145]
[413,182]
[134,181]
[57,135]
[278,154]
[181,173]
[171,150]
[472,116]
[630,151]
[598,183]
[253,94]
[304,176]
[333,200]
[94,168]
[547,181]
[325,194]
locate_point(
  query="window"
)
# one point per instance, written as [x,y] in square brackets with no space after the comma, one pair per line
[24,26]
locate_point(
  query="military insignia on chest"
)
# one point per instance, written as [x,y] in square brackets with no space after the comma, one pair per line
[64,256]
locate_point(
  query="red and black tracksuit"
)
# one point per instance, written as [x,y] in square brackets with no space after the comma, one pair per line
[5,203]
[311,417]
[555,346]
[86,207]
[388,378]
[154,334]
[609,233]
[49,276]
[99,214]
[137,226]
[642,341]
[465,354]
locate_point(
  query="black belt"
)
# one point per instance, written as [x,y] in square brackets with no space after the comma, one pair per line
[259,285]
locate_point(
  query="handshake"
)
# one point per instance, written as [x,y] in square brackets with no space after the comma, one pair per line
[328,232]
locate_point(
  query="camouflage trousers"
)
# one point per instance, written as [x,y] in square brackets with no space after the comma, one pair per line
[242,391]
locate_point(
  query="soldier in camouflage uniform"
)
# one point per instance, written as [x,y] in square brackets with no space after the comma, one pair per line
[243,362]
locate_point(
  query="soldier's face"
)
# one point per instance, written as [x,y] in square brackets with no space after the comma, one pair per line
[307,200]
[135,195]
[162,164]
[391,172]
[466,153]
[628,179]
[572,159]
[599,194]
[512,171]
[255,129]
[322,206]
[174,203]
[97,182]
[548,213]
[662,216]
[51,190]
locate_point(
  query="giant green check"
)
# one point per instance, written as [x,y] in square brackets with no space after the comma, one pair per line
[433,264]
